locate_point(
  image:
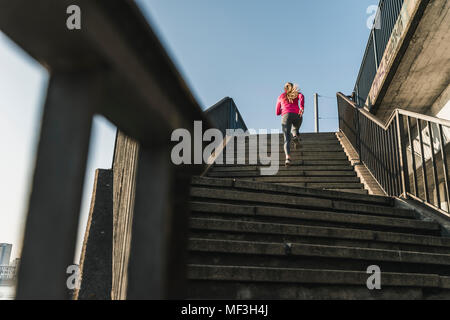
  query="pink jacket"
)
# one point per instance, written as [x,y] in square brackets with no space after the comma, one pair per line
[283,105]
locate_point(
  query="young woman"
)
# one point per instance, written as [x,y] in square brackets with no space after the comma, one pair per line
[290,106]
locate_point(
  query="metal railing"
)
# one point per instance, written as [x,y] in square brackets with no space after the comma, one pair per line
[225,115]
[386,17]
[115,66]
[407,155]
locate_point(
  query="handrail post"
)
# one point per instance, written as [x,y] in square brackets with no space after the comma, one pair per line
[157,265]
[402,154]
[424,167]
[55,199]
[375,49]
[358,137]
[357,95]
[316,113]
[413,157]
[433,163]
[444,167]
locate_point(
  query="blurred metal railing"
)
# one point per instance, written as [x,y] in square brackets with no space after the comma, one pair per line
[386,17]
[114,66]
[407,155]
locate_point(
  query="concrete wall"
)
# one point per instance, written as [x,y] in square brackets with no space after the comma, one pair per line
[415,71]
[441,107]
[124,181]
[96,257]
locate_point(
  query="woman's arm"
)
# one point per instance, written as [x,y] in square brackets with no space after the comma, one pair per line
[301,102]
[278,107]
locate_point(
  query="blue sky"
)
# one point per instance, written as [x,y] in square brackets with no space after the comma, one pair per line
[243,49]
[248,49]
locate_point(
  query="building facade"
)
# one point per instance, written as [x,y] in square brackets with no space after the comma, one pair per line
[5,254]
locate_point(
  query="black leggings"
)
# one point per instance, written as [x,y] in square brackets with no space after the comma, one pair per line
[290,122]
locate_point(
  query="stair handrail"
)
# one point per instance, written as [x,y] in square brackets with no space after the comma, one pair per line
[385,19]
[391,153]
[404,112]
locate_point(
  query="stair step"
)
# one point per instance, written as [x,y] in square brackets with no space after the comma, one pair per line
[302,134]
[276,232]
[307,162]
[299,255]
[293,152]
[234,282]
[216,169]
[286,173]
[290,190]
[304,276]
[304,179]
[310,217]
[310,139]
[296,202]
[302,148]
[302,156]
[308,143]
[327,186]
[360,191]
[280,149]
[281,162]
[308,135]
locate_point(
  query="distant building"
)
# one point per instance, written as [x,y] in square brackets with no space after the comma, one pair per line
[5,253]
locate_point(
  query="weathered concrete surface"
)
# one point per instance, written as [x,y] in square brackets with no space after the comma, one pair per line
[320,164]
[257,240]
[228,229]
[422,72]
[96,257]
[299,192]
[231,282]
[370,183]
[220,246]
[124,171]
[441,103]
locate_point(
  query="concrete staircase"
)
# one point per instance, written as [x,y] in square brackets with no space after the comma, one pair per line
[319,162]
[287,237]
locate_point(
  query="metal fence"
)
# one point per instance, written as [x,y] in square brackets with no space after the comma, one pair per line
[386,17]
[225,115]
[407,156]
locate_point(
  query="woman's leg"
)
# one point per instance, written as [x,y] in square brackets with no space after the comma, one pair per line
[286,127]
[296,124]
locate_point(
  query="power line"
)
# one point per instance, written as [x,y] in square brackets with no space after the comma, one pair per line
[331,118]
[326,97]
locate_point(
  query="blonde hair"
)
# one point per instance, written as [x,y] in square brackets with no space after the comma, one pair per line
[292,91]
